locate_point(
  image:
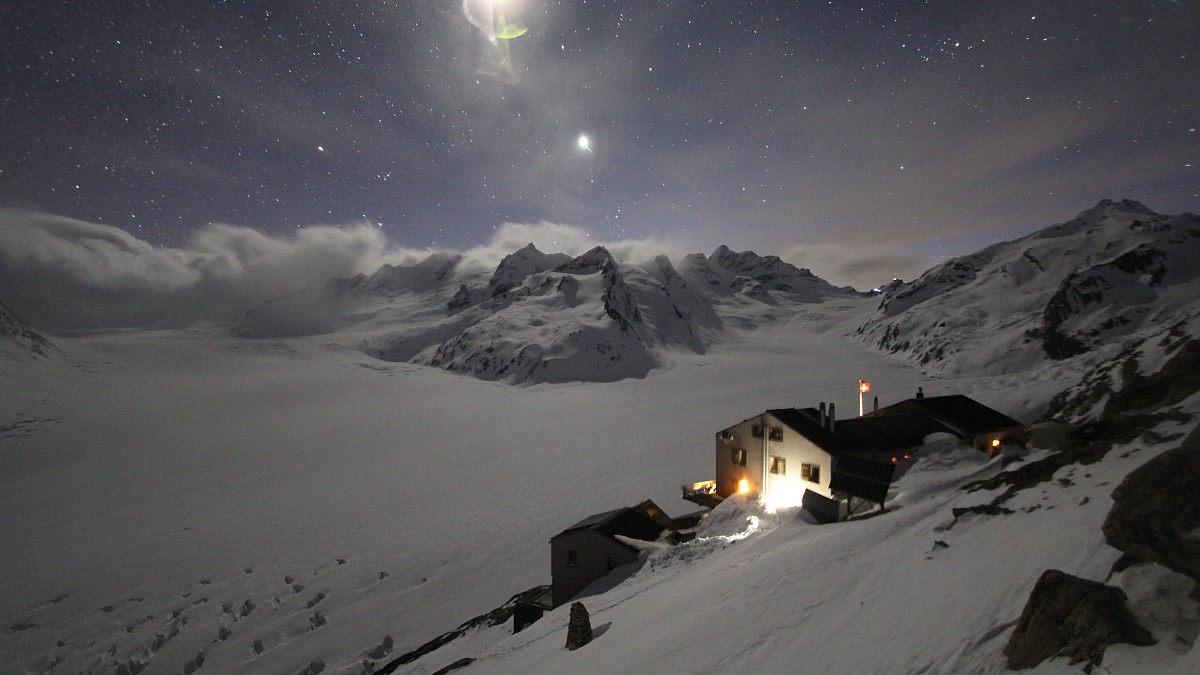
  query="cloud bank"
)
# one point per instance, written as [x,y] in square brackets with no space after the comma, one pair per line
[66,275]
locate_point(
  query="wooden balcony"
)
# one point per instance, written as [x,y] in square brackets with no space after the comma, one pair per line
[703,493]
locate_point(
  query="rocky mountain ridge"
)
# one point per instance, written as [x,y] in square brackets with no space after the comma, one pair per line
[1089,287]
[547,317]
[1079,292]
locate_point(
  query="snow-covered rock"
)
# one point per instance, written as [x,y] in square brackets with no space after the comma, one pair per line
[426,275]
[15,334]
[729,272]
[1091,285]
[516,267]
[581,321]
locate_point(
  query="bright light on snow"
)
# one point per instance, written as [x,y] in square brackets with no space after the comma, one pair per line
[751,528]
[785,493]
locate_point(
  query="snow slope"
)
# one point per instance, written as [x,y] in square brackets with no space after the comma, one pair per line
[157,478]
[1085,288]
[17,339]
[911,591]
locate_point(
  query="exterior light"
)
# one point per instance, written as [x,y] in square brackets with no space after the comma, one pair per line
[743,486]
[995,442]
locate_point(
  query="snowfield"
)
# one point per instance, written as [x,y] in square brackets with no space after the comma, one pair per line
[311,489]
[185,497]
[271,504]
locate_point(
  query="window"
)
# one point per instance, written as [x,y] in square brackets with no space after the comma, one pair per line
[738,456]
[811,472]
[572,558]
[779,465]
[772,433]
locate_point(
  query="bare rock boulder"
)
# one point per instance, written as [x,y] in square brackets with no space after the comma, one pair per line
[579,628]
[1072,617]
[1156,510]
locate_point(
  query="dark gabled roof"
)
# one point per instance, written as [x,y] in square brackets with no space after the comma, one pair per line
[593,520]
[627,522]
[892,431]
[963,414]
[862,433]
[807,423]
[903,425]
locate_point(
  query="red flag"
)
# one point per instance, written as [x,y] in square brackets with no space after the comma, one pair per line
[863,386]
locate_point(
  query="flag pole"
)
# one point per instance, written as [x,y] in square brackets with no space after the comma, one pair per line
[863,387]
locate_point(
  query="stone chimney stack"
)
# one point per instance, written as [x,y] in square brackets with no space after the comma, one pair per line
[920,392]
[876,405]
[821,412]
[832,418]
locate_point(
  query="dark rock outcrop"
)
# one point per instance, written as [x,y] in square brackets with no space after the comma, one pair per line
[493,618]
[1156,510]
[12,328]
[579,628]
[1072,617]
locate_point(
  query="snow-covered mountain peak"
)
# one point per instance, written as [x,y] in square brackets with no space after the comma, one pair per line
[518,266]
[730,272]
[1107,209]
[751,264]
[426,275]
[1114,273]
[588,263]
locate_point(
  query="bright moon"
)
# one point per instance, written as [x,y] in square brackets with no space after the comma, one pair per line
[584,143]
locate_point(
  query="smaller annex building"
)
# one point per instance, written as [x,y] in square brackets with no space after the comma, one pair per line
[808,456]
[593,547]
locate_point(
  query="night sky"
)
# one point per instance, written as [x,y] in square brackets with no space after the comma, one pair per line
[864,140]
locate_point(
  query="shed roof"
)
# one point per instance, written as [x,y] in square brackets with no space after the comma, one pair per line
[626,521]
[966,415]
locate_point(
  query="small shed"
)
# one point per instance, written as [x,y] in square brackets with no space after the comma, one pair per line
[590,549]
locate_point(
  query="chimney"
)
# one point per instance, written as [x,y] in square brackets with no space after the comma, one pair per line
[876,404]
[821,411]
[920,392]
[832,418]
